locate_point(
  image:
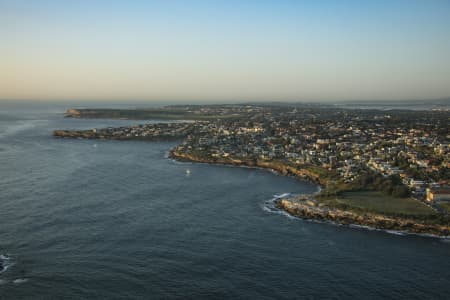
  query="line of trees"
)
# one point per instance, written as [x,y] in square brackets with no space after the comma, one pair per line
[391,185]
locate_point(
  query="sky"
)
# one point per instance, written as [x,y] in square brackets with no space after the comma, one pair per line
[222,51]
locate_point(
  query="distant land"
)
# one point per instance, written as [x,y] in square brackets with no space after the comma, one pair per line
[210,111]
[165,113]
[424,104]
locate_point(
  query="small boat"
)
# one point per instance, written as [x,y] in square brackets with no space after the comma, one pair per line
[188,172]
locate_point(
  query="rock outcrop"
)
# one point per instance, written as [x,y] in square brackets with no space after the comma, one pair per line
[306,208]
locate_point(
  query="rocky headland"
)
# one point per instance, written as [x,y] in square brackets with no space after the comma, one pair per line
[308,208]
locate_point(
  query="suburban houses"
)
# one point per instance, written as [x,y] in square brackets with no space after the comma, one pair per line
[409,147]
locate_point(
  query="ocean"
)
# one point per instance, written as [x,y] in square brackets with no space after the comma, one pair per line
[91,219]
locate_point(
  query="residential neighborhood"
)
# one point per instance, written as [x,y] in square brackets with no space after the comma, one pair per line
[402,152]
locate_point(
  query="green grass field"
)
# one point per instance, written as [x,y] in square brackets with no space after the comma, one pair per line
[377,202]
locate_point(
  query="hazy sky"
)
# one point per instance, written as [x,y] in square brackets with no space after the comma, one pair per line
[225,50]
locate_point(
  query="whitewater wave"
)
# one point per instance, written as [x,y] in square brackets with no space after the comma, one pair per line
[20,280]
[4,257]
[270,206]
[282,195]
[5,263]
[178,162]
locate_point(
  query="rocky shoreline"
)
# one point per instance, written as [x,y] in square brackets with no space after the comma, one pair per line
[278,167]
[306,207]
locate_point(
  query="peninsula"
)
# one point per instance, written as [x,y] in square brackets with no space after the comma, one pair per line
[383,169]
[174,112]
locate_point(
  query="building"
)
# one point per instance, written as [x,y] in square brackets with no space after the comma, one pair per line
[438,194]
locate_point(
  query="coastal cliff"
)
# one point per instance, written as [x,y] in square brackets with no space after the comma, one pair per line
[74,134]
[308,208]
[272,165]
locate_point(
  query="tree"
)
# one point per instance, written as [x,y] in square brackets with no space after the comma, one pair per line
[400,191]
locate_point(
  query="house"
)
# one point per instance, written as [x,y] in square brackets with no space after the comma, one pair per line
[438,194]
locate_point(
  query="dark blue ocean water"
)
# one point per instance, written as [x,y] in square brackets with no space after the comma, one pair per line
[85,219]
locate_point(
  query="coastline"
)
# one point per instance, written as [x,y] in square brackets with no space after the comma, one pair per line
[301,174]
[90,135]
[305,207]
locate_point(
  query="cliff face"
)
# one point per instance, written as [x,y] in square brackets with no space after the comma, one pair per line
[289,170]
[273,165]
[72,134]
[312,210]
